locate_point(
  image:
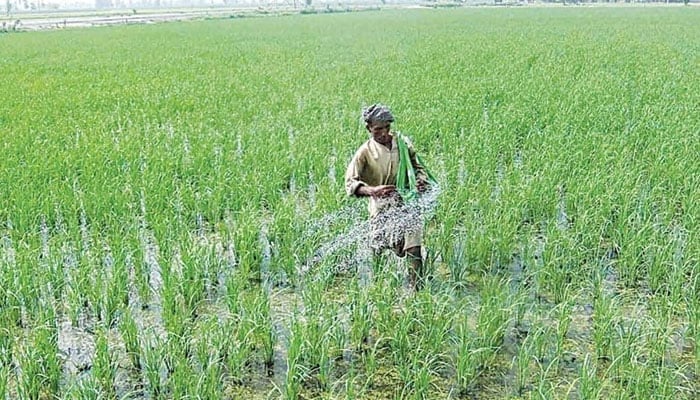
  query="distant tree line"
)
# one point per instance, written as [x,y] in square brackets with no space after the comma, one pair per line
[11,6]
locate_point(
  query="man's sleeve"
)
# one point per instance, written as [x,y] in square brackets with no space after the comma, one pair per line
[353,174]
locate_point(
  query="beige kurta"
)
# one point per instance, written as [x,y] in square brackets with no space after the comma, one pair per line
[372,165]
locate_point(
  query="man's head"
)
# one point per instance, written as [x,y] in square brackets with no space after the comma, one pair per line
[378,119]
[377,113]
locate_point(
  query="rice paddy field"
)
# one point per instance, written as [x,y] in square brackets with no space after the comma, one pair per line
[162,186]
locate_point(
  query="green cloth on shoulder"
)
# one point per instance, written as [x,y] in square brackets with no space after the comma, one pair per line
[406,182]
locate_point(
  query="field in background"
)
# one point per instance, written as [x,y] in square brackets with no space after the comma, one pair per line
[63,19]
[161,185]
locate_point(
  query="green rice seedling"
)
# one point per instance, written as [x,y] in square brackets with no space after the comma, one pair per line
[4,381]
[405,372]
[589,384]
[183,379]
[247,243]
[660,330]
[693,311]
[659,265]
[560,268]
[522,304]
[268,338]
[539,342]
[417,367]
[50,350]
[295,368]
[666,383]
[234,287]
[320,319]
[563,313]
[175,318]
[370,363]
[401,342]
[193,278]
[238,350]
[74,299]
[153,366]
[522,360]
[450,245]
[494,313]
[339,337]
[360,316]
[105,365]
[467,357]
[681,264]
[386,320]
[289,220]
[625,347]
[179,347]
[211,384]
[422,382]
[145,263]
[178,318]
[675,282]
[85,389]
[116,295]
[48,261]
[203,345]
[605,322]
[39,371]
[130,336]
[94,288]
[631,265]
[217,262]
[416,375]
[29,373]
[128,245]
[44,340]
[6,342]
[423,370]
[350,387]
[325,367]
[643,380]
[10,314]
[544,388]
[263,332]
[486,248]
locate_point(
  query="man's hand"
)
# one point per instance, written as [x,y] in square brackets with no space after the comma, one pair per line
[384,191]
[379,192]
[422,186]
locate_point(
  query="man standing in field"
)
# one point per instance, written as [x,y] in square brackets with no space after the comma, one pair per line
[373,173]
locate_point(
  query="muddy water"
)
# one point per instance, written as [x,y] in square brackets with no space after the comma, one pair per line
[634,310]
[77,346]
[283,305]
[77,343]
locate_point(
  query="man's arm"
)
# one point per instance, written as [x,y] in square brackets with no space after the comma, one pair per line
[353,175]
[355,186]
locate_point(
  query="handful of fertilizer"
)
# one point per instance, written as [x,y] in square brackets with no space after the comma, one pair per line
[406,181]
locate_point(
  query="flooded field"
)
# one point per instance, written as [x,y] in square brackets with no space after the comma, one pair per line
[174,221]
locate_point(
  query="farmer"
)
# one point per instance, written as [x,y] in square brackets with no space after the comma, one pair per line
[372,173]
